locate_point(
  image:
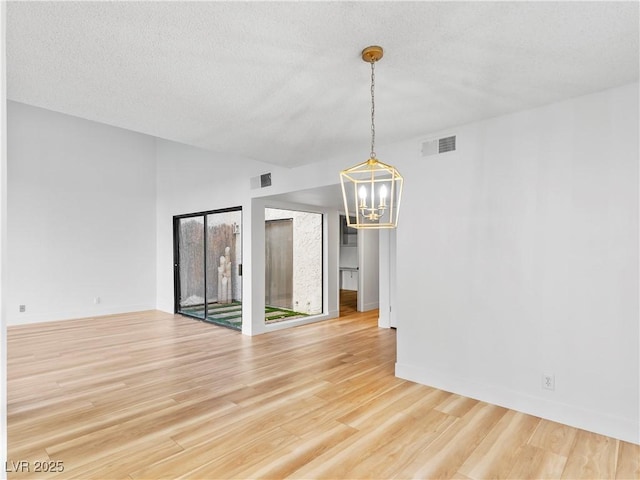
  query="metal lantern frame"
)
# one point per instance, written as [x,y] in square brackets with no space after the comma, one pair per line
[372,190]
[374,209]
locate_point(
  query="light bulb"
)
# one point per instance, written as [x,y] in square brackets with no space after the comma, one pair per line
[363,197]
[383,197]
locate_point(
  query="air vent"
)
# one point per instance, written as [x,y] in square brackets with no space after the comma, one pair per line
[265,180]
[447,144]
[261,181]
[439,145]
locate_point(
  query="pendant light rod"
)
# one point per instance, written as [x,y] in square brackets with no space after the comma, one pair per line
[371,55]
[373,110]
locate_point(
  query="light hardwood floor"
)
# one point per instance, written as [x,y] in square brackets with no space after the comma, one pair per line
[152,395]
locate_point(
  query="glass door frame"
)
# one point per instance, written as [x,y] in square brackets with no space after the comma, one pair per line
[176,257]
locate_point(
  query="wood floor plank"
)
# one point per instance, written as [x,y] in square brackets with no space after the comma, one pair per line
[301,453]
[243,456]
[554,437]
[456,405]
[370,413]
[277,411]
[460,476]
[535,463]
[118,464]
[149,395]
[427,403]
[444,456]
[317,421]
[592,457]
[628,465]
[340,460]
[496,454]
[56,430]
[406,441]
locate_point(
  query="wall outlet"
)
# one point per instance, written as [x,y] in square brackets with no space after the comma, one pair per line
[548,381]
[23,308]
[96,300]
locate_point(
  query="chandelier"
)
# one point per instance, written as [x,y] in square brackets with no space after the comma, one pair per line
[372,190]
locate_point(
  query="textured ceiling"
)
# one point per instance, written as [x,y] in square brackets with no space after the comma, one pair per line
[283,82]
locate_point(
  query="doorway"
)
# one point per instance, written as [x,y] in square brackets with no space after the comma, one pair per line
[348,267]
[208,266]
[359,267]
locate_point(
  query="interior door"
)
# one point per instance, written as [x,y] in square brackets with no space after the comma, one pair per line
[279,263]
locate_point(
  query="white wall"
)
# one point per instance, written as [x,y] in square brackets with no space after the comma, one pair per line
[387,279]
[81,217]
[369,270]
[349,256]
[518,255]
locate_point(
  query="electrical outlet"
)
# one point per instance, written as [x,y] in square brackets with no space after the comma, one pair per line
[548,381]
[23,308]
[96,300]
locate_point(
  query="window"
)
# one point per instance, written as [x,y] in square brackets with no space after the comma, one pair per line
[293,264]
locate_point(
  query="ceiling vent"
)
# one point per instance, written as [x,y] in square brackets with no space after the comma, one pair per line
[261,181]
[439,145]
[265,180]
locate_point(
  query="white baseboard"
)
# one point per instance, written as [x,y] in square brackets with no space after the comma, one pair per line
[30,318]
[574,416]
[370,306]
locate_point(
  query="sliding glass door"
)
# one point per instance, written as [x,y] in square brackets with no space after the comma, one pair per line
[190,265]
[208,266]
